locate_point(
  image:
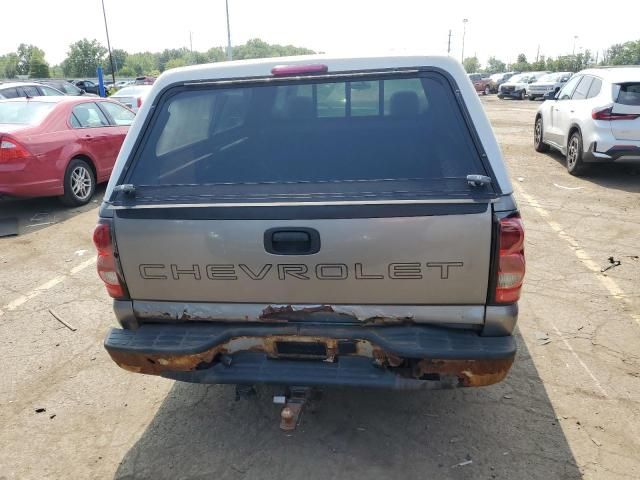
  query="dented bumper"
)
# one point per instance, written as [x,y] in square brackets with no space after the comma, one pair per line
[399,357]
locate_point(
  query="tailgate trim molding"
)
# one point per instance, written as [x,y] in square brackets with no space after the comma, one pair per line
[159,311]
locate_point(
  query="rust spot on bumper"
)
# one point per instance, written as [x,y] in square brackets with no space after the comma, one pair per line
[274,310]
[470,373]
[453,373]
[156,364]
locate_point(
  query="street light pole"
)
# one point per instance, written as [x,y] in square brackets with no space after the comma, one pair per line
[229,50]
[464,33]
[113,71]
[575,37]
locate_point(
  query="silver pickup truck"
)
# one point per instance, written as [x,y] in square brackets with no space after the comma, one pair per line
[313,221]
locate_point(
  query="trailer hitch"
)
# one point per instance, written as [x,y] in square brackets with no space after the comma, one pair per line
[293,403]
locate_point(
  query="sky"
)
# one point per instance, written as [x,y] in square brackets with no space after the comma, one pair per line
[331,26]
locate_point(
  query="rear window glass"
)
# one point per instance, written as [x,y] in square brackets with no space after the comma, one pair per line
[387,137]
[629,94]
[26,113]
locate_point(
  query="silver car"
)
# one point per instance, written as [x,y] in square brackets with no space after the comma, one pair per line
[594,118]
[133,96]
[551,82]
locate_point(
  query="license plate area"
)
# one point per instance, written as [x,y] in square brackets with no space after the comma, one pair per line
[301,350]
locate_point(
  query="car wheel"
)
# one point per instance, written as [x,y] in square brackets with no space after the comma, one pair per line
[79,183]
[575,164]
[487,90]
[532,98]
[522,95]
[538,135]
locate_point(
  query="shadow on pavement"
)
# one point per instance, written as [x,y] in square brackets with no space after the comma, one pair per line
[508,431]
[34,214]
[619,176]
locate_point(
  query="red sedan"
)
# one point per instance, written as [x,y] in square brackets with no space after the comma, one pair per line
[60,146]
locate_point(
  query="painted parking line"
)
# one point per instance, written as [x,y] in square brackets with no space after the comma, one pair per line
[607,282]
[21,300]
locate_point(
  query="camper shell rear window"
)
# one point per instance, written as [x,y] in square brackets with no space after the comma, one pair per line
[382,136]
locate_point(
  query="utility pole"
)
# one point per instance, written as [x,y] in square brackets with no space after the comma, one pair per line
[538,54]
[464,33]
[229,50]
[190,42]
[575,37]
[449,44]
[113,70]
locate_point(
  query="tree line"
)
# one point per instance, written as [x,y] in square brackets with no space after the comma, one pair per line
[627,53]
[84,56]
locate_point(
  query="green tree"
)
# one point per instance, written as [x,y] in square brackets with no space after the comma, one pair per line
[471,64]
[8,65]
[38,68]
[25,54]
[216,54]
[539,65]
[119,57]
[521,64]
[167,55]
[495,66]
[175,63]
[256,48]
[126,71]
[142,63]
[83,58]
[627,53]
[56,71]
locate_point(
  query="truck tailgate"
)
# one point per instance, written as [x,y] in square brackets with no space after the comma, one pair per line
[419,260]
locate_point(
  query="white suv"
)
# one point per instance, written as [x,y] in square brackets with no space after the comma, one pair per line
[594,118]
[517,86]
[551,82]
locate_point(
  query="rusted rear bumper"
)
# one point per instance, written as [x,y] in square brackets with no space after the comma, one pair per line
[398,357]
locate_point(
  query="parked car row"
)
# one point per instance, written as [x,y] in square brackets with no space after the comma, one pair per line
[594,117]
[26,89]
[516,85]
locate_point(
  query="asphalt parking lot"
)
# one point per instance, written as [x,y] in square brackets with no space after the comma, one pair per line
[570,407]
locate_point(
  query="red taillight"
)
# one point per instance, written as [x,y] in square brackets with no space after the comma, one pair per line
[511,263]
[139,102]
[606,113]
[288,70]
[107,265]
[12,150]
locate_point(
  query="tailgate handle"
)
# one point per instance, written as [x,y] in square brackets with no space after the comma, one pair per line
[292,241]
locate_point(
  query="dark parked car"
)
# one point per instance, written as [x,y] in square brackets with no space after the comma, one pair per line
[26,89]
[87,85]
[64,86]
[59,145]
